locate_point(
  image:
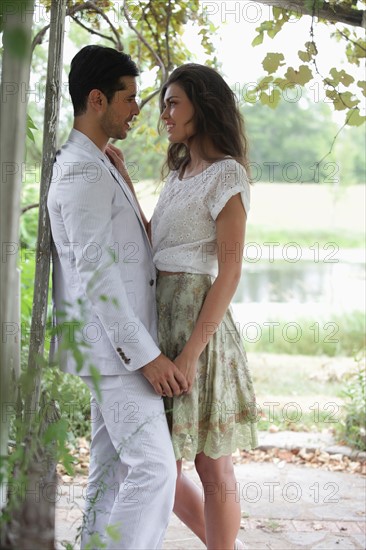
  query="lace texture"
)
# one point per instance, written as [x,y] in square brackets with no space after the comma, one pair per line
[183,223]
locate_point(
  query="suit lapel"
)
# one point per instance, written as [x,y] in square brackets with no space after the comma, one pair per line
[126,190]
[116,175]
[83,141]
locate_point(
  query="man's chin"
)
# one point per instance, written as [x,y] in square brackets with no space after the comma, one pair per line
[121,135]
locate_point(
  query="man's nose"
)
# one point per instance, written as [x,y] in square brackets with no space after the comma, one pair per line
[136,109]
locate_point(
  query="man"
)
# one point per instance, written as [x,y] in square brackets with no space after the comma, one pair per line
[104,286]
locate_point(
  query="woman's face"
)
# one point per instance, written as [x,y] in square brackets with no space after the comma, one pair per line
[178,115]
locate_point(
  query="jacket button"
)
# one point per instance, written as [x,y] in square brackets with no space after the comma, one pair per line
[151,282]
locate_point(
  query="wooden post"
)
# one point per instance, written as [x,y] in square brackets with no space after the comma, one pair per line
[43,252]
[32,523]
[17,19]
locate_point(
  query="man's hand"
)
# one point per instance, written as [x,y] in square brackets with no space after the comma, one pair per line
[165,377]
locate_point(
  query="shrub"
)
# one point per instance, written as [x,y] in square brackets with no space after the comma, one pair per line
[353,428]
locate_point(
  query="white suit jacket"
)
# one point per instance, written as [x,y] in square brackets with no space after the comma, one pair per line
[103,275]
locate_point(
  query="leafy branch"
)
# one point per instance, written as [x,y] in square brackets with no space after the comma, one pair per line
[342,100]
[71,11]
[144,42]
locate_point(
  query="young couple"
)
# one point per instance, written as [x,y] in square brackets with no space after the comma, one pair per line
[185,352]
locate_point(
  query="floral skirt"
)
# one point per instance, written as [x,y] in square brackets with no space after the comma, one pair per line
[219,415]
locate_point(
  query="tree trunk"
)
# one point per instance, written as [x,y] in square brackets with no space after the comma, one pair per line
[17,24]
[32,523]
[40,296]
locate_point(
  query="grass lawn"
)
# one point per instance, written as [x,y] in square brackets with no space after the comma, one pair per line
[299,392]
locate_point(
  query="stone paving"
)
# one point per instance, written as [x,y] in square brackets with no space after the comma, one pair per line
[284,506]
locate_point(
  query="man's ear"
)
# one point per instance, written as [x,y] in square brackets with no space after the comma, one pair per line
[96,99]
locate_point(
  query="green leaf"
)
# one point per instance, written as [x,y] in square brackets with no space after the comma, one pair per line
[282,83]
[30,135]
[16,40]
[113,532]
[264,83]
[311,51]
[311,48]
[347,98]
[272,99]
[272,32]
[79,358]
[355,119]
[30,126]
[304,56]
[342,101]
[277,12]
[56,431]
[302,76]
[258,39]
[362,84]
[95,374]
[341,77]
[272,61]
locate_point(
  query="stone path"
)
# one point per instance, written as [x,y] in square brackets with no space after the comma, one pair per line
[284,506]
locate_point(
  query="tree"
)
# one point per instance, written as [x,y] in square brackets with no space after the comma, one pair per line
[287,143]
[16,28]
[33,468]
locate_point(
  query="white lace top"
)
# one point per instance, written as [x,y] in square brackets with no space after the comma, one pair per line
[183,224]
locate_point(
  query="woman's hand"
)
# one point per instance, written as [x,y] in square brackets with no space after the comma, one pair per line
[188,367]
[116,157]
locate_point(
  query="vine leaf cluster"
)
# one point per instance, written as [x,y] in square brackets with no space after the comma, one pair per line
[344,91]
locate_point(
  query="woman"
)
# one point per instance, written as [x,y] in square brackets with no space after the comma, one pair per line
[198,230]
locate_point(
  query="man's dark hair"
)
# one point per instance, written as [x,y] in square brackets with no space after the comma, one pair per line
[101,68]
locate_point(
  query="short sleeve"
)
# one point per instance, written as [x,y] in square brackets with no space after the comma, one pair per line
[229,180]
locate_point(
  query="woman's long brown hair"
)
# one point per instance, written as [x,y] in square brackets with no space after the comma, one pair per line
[217,118]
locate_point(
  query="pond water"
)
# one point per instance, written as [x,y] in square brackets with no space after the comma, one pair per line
[305,287]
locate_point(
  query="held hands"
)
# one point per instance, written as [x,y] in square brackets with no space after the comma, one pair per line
[165,377]
[188,367]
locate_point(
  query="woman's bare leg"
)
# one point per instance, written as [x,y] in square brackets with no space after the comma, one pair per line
[222,502]
[188,505]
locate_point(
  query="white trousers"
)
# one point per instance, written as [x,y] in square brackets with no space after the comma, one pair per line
[132,473]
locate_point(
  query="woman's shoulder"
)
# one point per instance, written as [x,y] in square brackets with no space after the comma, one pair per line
[233,163]
[229,169]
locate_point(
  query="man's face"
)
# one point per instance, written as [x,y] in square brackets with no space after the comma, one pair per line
[118,114]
